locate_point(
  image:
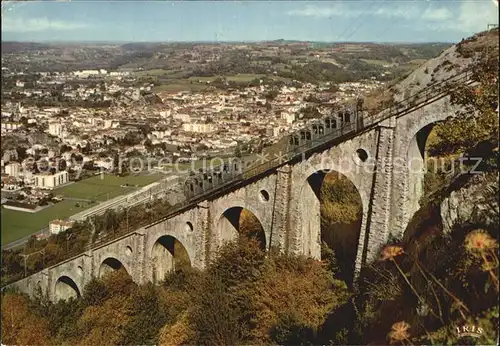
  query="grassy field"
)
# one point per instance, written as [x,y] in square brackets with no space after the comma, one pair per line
[18,224]
[180,85]
[376,62]
[241,78]
[197,83]
[155,72]
[102,188]
[244,77]
[238,78]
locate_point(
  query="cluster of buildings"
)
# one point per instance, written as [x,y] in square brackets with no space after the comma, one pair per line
[184,125]
[58,226]
[215,121]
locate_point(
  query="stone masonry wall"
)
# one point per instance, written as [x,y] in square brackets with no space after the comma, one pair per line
[378,225]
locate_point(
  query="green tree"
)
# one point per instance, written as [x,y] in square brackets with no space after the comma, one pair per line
[477,118]
[237,151]
[148,144]
[147,318]
[215,318]
[271,95]
[20,326]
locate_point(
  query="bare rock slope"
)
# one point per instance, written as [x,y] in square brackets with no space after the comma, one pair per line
[450,62]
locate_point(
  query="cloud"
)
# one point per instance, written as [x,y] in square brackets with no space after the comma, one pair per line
[322,12]
[38,24]
[354,10]
[476,16]
[461,17]
[406,11]
[437,14]
[8,6]
[468,18]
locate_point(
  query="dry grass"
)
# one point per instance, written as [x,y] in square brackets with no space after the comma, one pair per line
[377,100]
[487,40]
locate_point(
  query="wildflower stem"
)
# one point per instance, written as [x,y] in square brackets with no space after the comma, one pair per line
[413,288]
[458,301]
[490,271]
[494,279]
[409,342]
[407,281]
[433,291]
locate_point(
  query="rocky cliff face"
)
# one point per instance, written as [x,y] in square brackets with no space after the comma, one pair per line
[450,62]
[475,203]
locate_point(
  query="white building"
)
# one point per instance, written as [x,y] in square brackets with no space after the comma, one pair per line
[109,123]
[11,126]
[86,73]
[9,155]
[183,117]
[278,131]
[105,163]
[160,134]
[13,169]
[56,226]
[56,129]
[118,73]
[28,178]
[50,181]
[199,127]
[10,183]
[51,153]
[288,117]
[166,113]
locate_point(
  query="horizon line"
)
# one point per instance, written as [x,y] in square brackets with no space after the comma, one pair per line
[228,41]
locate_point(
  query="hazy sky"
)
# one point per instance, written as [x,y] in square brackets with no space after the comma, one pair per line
[352,20]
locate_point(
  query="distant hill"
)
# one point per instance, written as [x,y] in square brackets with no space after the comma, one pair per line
[441,65]
[15,47]
[168,63]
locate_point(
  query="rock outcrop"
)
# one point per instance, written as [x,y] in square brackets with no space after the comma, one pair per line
[475,203]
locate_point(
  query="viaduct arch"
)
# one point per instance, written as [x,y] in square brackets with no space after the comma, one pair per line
[282,198]
[238,220]
[409,159]
[66,288]
[168,254]
[109,265]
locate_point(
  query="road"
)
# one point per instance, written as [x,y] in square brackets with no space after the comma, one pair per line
[77,199]
[21,241]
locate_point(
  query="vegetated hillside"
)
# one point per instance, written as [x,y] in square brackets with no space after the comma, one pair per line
[443,274]
[450,62]
[17,47]
[303,61]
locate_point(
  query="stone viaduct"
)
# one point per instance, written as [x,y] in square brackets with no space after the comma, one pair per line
[383,158]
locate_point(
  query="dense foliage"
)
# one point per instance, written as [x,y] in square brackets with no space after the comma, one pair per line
[477,120]
[47,252]
[243,297]
[341,213]
[419,290]
[472,133]
[425,286]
